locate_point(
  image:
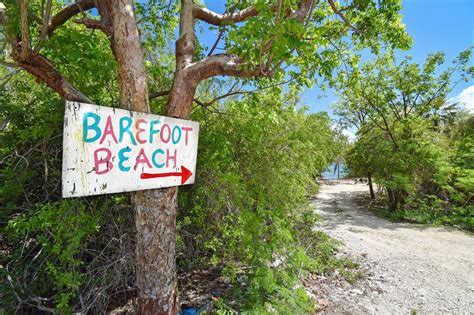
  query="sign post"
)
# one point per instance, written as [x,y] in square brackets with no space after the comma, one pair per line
[109,150]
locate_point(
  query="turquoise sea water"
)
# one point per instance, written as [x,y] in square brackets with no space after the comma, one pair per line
[331,172]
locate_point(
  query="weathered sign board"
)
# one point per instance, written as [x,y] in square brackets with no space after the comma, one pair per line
[109,150]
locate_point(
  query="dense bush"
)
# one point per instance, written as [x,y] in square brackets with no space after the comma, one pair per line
[257,164]
[418,147]
[248,213]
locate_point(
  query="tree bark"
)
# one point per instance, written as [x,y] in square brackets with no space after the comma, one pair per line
[155,210]
[155,221]
[371,187]
[185,82]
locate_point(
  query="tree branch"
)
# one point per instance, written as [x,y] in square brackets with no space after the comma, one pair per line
[233,92]
[44,71]
[94,24]
[341,15]
[223,64]
[215,99]
[221,32]
[65,14]
[196,100]
[231,65]
[33,16]
[217,19]
[304,9]
[158,94]
[384,119]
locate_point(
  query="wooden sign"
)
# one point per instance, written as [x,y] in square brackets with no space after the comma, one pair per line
[109,150]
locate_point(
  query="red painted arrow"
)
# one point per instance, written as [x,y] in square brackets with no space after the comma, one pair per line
[185,174]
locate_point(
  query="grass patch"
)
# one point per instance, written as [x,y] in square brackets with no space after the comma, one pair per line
[427,217]
[423,212]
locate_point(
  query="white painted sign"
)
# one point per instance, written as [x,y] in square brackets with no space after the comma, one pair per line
[109,150]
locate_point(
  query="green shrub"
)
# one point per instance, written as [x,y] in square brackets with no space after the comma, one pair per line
[248,210]
[46,257]
[249,206]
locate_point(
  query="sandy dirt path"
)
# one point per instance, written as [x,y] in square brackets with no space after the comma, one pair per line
[408,268]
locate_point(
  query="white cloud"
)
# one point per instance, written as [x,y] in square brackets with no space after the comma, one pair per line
[350,135]
[465,98]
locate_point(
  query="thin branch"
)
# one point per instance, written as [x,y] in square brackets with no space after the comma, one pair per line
[342,16]
[158,94]
[231,92]
[384,119]
[197,101]
[44,29]
[202,104]
[221,33]
[94,24]
[438,93]
[7,64]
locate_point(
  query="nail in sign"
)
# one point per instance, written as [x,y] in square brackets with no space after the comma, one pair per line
[109,150]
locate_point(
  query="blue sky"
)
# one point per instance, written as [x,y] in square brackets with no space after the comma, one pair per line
[435,25]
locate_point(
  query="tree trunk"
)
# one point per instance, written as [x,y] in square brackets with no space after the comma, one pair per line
[390,196]
[393,199]
[371,187]
[155,220]
[396,200]
[155,216]
[155,210]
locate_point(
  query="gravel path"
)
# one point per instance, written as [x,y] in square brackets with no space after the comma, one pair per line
[408,268]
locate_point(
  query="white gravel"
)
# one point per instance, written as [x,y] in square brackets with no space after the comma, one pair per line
[409,268]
